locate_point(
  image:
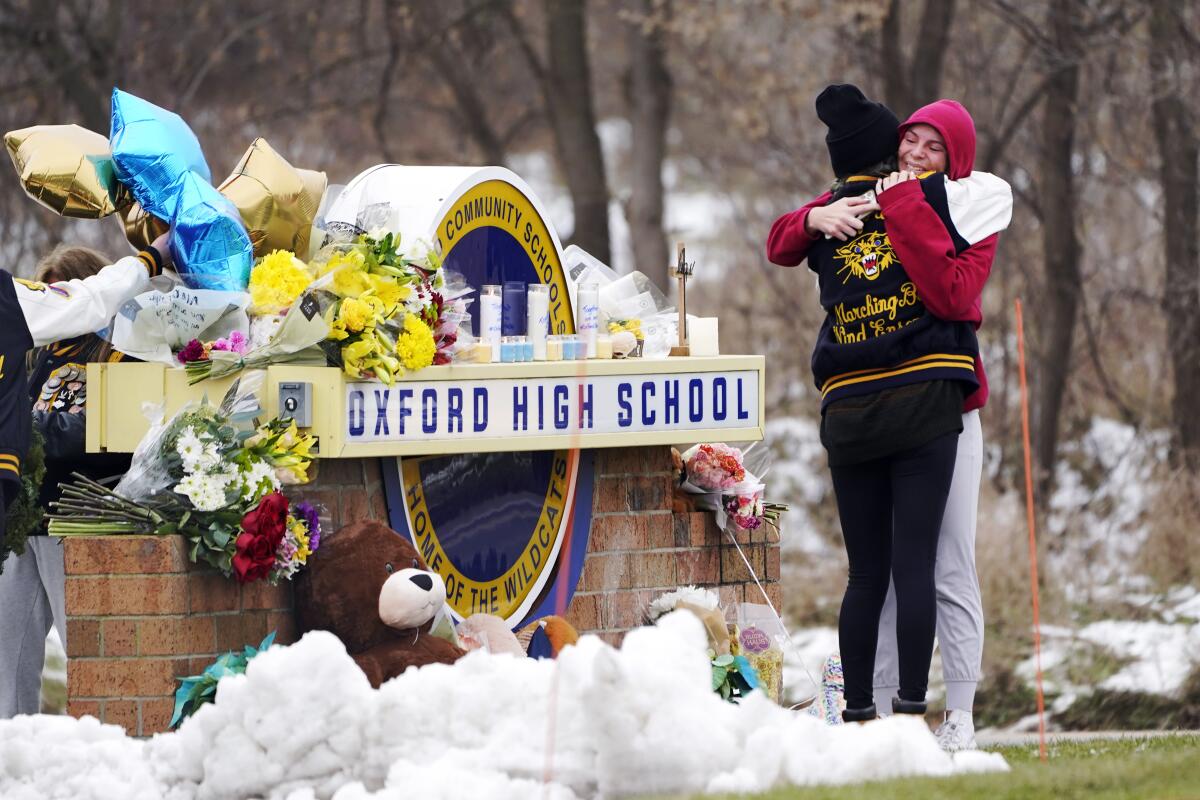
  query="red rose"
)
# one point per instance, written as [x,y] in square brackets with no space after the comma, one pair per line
[262,531]
[255,558]
[269,519]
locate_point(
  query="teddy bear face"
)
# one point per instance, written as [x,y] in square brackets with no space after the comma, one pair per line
[362,575]
[410,598]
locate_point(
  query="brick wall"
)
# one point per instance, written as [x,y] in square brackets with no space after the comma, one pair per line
[646,540]
[140,615]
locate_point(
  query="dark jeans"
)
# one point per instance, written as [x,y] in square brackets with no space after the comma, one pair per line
[891,511]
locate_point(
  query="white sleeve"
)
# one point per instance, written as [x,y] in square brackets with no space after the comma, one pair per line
[980,205]
[72,308]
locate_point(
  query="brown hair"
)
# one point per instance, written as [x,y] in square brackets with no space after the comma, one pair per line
[74,262]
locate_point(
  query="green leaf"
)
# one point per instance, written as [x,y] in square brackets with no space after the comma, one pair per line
[719,677]
[723,661]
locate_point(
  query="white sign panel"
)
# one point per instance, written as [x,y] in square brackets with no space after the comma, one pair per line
[415,411]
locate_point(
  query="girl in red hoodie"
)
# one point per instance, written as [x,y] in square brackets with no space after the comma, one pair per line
[947,245]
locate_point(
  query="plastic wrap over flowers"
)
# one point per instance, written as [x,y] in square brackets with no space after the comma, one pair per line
[212,476]
[728,482]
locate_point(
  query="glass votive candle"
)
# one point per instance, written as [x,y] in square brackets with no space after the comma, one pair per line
[575,349]
[483,352]
[508,350]
[604,347]
[527,348]
[554,348]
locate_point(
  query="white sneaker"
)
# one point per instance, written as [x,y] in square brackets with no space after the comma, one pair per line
[957,732]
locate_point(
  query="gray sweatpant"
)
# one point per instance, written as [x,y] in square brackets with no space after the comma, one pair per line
[31,599]
[959,604]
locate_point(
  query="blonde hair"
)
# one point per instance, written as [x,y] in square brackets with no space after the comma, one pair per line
[69,263]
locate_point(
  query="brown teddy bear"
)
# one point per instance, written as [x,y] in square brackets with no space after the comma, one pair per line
[369,587]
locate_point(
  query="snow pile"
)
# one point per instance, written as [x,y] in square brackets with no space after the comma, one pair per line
[1105,484]
[303,723]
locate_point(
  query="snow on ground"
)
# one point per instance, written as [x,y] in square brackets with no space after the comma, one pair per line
[1104,487]
[303,723]
[1158,656]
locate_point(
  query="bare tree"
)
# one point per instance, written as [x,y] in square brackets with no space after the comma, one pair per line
[1060,243]
[566,84]
[1179,150]
[649,98]
[911,82]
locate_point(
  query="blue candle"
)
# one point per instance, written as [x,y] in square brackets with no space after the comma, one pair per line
[513,309]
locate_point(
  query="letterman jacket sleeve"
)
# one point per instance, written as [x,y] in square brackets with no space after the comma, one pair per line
[949,281]
[788,242]
[67,309]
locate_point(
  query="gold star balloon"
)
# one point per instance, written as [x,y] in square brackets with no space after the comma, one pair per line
[141,227]
[66,168]
[277,202]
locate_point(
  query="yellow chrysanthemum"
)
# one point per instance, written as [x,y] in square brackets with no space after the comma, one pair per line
[356,314]
[415,345]
[276,281]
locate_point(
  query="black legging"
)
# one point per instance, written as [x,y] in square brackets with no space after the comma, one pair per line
[891,511]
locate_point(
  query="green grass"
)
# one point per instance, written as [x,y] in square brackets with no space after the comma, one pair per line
[1166,768]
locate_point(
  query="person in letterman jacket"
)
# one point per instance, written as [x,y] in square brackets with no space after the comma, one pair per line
[39,314]
[945,231]
[892,378]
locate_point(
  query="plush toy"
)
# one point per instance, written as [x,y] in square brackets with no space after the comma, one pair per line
[368,586]
[488,632]
[546,637]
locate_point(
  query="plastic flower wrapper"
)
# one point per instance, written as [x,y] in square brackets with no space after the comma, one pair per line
[198,476]
[196,690]
[728,482]
[713,467]
[155,325]
[302,328]
[760,637]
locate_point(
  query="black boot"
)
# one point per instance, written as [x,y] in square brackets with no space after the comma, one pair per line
[908,706]
[859,714]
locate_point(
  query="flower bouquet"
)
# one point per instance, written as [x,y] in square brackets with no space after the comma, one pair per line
[285,322]
[390,312]
[718,475]
[213,477]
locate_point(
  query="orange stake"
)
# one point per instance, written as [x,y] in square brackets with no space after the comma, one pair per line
[1033,566]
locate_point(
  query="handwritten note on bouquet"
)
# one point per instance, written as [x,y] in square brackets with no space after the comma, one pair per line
[154,324]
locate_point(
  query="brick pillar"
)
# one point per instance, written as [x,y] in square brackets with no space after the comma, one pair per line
[646,541]
[350,489]
[139,615]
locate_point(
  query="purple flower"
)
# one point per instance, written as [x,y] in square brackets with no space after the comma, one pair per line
[312,521]
[192,351]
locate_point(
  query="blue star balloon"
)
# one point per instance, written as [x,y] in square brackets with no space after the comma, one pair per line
[208,240]
[152,150]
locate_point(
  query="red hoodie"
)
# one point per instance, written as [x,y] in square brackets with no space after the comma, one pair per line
[949,284]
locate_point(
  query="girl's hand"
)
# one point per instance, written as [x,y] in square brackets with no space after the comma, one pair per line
[893,179]
[840,219]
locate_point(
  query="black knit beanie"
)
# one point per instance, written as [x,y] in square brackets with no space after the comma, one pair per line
[861,132]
